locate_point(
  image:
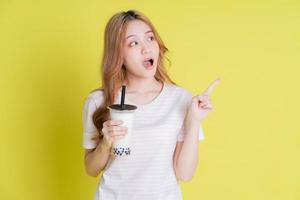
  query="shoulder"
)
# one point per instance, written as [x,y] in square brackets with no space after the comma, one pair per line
[96,96]
[179,90]
[179,97]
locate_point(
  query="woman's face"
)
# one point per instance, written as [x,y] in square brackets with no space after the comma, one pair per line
[140,50]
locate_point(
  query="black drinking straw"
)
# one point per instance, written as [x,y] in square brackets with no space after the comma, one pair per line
[123,96]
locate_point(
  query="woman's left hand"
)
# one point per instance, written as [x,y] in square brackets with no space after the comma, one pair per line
[201,104]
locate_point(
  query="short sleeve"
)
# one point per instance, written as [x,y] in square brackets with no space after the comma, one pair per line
[89,129]
[180,136]
[187,101]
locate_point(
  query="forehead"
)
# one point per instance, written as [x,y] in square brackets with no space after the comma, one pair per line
[136,27]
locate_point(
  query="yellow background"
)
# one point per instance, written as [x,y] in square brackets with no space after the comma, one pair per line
[50,55]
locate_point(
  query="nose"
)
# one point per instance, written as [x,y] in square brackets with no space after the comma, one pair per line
[145,48]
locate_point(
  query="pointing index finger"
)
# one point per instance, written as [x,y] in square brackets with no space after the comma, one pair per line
[211,86]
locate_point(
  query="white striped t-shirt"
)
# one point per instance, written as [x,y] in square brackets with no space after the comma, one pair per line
[147,174]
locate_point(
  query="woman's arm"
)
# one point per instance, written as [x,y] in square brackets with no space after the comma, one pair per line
[186,153]
[96,159]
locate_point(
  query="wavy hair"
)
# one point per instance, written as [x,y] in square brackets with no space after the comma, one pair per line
[113,72]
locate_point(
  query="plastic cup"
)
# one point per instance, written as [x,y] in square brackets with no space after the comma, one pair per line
[121,147]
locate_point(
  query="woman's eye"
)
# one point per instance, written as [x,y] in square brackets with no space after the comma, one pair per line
[132,44]
[151,38]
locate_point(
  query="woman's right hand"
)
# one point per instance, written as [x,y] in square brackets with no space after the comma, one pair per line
[113,130]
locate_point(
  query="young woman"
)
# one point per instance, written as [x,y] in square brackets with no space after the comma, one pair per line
[166,129]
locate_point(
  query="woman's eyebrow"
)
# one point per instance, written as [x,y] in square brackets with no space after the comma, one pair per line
[135,35]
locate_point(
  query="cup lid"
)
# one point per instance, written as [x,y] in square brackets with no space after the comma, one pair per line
[127,107]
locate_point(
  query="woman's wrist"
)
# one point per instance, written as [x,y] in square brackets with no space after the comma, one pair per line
[104,144]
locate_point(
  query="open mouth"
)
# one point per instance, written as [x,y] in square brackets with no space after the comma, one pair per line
[151,61]
[148,63]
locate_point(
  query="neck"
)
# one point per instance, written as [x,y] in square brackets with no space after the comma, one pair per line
[135,85]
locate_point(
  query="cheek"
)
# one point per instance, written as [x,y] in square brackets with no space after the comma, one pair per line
[156,48]
[129,56]
[131,59]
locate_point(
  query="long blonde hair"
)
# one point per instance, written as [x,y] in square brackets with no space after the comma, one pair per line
[113,72]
